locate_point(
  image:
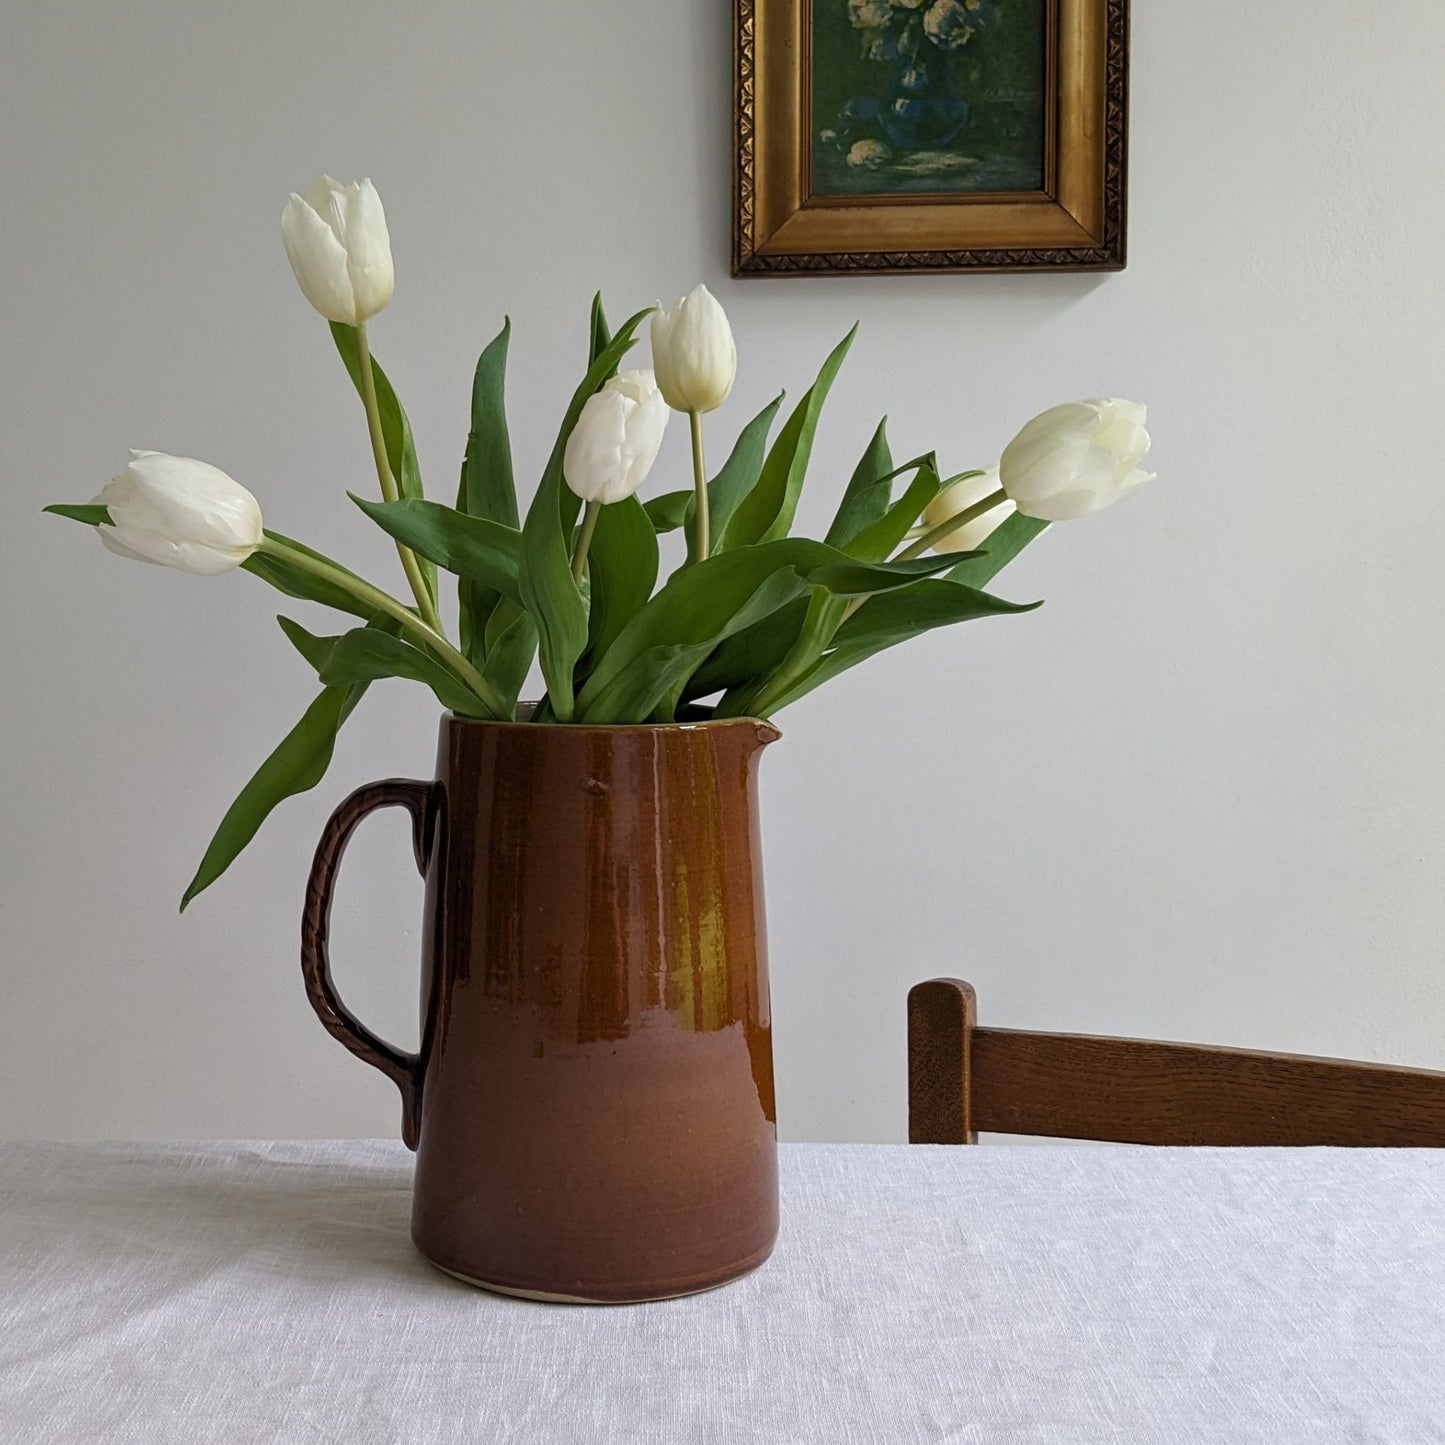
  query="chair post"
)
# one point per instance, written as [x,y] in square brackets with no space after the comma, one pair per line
[941,1017]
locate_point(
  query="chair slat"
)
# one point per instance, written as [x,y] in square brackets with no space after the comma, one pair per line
[964,1079]
[1077,1086]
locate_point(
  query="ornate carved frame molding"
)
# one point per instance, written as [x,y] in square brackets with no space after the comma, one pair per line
[1077,223]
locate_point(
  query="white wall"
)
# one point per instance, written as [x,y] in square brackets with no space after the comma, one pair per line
[1198,795]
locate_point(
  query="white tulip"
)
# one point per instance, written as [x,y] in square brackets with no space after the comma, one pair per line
[178,512]
[959,498]
[694,353]
[616,439]
[338,246]
[1076,459]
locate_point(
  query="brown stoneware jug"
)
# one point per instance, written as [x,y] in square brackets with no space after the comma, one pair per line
[592,1100]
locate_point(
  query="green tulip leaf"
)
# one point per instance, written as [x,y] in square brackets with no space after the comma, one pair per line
[882,537]
[660,647]
[395,428]
[487,489]
[475,549]
[297,764]
[703,605]
[622,569]
[999,548]
[366,654]
[894,617]
[547,588]
[765,514]
[91,514]
[511,644]
[776,656]
[845,577]
[666,513]
[748,656]
[737,478]
[599,335]
[868,493]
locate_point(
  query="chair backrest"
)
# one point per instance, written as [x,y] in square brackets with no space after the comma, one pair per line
[964,1080]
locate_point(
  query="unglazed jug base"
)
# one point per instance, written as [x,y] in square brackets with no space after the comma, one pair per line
[544,1297]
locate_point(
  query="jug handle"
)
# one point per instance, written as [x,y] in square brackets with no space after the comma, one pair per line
[402,1069]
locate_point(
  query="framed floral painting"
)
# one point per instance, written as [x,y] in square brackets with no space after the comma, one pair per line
[930,135]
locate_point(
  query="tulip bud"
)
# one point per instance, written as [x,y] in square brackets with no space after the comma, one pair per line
[178,512]
[694,353]
[1076,459]
[338,246]
[959,498]
[616,439]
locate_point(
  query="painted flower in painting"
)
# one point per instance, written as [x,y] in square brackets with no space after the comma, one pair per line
[869,14]
[880,45]
[868,155]
[947,24]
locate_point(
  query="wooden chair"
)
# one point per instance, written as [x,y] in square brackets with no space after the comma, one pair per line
[963,1080]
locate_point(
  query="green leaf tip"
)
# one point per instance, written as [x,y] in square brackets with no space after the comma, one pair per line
[91,514]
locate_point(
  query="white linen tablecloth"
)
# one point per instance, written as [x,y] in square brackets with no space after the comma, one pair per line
[239,1293]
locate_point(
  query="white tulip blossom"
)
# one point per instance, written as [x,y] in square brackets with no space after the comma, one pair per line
[616,439]
[178,512]
[959,498]
[694,353]
[1076,459]
[337,242]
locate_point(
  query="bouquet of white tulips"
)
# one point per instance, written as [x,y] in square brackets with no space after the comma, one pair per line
[752,617]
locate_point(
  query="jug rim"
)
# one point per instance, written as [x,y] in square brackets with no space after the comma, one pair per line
[699,720]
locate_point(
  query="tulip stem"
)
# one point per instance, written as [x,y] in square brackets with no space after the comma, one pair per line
[946,529]
[702,525]
[424,599]
[584,541]
[430,638]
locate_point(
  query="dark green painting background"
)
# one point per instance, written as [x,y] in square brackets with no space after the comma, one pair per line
[999,73]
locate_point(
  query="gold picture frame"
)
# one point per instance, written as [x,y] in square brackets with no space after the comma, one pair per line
[1074,221]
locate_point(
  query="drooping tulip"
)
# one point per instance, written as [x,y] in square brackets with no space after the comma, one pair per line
[959,498]
[694,353]
[178,512]
[1076,459]
[616,439]
[337,242]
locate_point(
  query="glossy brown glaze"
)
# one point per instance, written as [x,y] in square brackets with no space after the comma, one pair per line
[592,1104]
